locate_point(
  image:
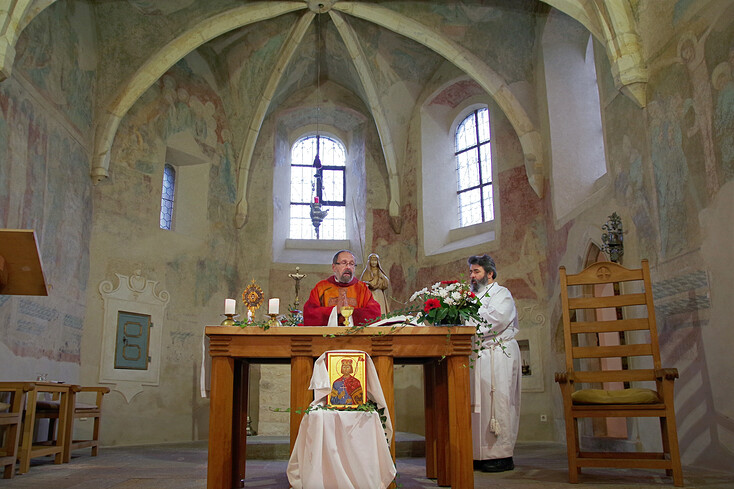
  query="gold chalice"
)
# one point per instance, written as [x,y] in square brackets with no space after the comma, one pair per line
[346,312]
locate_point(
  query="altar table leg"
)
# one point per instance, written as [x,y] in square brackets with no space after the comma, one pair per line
[301,397]
[384,368]
[219,468]
[441,422]
[239,428]
[386,374]
[460,439]
[429,406]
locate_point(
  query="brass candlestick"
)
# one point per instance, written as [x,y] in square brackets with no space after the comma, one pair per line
[273,322]
[229,321]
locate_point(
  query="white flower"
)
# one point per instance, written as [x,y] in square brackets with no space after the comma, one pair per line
[416,295]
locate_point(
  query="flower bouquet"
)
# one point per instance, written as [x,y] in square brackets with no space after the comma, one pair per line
[447,302]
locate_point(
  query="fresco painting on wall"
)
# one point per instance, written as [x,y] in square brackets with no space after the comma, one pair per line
[632,187]
[692,143]
[671,174]
[723,84]
[29,183]
[49,53]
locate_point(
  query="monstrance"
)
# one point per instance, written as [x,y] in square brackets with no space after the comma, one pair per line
[253,298]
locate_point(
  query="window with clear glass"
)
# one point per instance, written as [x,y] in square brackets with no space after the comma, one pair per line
[167,193]
[474,169]
[330,193]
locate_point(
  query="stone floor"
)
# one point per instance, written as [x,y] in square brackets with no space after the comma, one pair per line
[183,466]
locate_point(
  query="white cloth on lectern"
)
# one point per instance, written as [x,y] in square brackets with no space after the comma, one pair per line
[342,449]
[205,370]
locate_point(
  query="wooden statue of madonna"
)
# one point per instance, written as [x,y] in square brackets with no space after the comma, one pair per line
[377,281]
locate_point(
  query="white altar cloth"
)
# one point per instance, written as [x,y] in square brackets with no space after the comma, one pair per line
[342,449]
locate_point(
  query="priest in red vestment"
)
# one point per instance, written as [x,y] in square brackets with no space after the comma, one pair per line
[341,289]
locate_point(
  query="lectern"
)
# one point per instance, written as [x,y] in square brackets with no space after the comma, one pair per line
[21,272]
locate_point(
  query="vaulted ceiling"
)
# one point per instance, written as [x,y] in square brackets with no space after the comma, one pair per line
[259,54]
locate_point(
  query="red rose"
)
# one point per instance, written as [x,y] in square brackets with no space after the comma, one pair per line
[449,282]
[431,304]
[472,294]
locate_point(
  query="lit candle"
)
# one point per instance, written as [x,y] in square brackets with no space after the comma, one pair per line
[273,306]
[229,305]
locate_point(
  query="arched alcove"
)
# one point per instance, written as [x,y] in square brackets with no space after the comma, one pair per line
[578,159]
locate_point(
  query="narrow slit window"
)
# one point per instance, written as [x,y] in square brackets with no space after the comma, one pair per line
[167,194]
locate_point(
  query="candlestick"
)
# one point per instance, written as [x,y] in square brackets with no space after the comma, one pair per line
[273,322]
[229,321]
[229,306]
[273,306]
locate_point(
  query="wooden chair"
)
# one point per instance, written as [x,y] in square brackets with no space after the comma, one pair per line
[85,411]
[76,410]
[31,448]
[640,352]
[11,417]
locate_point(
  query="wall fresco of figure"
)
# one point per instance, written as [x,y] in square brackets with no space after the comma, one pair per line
[56,54]
[44,186]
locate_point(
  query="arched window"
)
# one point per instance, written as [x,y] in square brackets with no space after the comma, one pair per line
[167,194]
[330,192]
[474,169]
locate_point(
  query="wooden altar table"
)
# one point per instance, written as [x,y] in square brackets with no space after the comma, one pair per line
[444,352]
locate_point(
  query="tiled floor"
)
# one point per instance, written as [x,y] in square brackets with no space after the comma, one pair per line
[183,466]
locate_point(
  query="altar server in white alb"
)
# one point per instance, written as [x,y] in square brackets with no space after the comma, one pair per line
[496,378]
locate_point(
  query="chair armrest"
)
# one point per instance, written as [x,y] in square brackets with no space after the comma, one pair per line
[666,373]
[102,390]
[564,377]
[13,386]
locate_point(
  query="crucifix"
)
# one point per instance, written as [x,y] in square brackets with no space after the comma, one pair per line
[298,276]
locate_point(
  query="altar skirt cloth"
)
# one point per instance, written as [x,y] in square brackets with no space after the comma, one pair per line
[341,450]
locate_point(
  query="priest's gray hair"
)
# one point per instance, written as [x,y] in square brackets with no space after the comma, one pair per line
[335,260]
[486,262]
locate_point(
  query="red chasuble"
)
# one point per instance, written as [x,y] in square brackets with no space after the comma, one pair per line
[324,296]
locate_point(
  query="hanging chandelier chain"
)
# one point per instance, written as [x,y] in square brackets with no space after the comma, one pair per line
[318,79]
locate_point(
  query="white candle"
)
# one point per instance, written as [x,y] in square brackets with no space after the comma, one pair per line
[273,306]
[249,315]
[229,305]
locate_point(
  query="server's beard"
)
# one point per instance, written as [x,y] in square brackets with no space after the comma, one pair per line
[478,284]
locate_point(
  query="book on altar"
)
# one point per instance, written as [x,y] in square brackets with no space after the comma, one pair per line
[396,320]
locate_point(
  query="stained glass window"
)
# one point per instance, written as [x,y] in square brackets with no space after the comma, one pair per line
[474,169]
[331,194]
[167,193]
